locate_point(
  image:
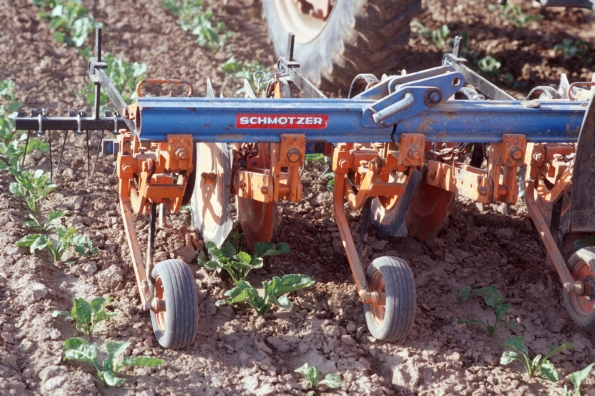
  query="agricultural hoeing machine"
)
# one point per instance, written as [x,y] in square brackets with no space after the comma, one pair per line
[401,148]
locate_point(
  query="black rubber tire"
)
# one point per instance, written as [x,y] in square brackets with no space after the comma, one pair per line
[399,286]
[586,255]
[181,314]
[360,36]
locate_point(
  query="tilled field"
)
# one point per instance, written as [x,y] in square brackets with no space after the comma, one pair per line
[236,352]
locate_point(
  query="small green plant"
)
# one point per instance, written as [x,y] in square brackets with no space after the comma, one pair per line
[87,313]
[244,71]
[35,225]
[464,294]
[33,187]
[438,37]
[66,238]
[79,349]
[274,292]
[577,379]
[124,75]
[494,299]
[69,20]
[490,66]
[195,19]
[515,15]
[311,374]
[239,265]
[538,365]
[573,48]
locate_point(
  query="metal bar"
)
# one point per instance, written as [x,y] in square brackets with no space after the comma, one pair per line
[62,151]
[50,150]
[97,155]
[546,236]
[114,97]
[220,120]
[343,226]
[97,84]
[135,254]
[25,152]
[70,123]
[151,236]
[304,84]
[483,85]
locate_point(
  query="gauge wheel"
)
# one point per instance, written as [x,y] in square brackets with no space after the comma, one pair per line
[355,37]
[174,308]
[581,308]
[393,320]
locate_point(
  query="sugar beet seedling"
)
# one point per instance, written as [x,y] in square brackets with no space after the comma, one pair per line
[398,147]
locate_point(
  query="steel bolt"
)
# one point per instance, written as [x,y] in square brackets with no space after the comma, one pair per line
[414,154]
[538,157]
[181,154]
[293,155]
[516,153]
[435,97]
[264,189]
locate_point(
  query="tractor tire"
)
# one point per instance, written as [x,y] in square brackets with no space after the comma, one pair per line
[359,36]
[175,327]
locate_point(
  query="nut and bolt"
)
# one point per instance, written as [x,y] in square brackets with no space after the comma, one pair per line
[538,157]
[157,305]
[126,168]
[435,97]
[343,164]
[516,153]
[264,189]
[181,154]
[414,154]
[294,155]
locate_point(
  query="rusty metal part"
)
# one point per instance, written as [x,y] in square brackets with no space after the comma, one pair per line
[548,240]
[258,220]
[578,84]
[376,298]
[158,304]
[427,212]
[154,81]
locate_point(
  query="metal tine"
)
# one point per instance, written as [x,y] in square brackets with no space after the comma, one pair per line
[210,92]
[25,152]
[71,113]
[51,159]
[88,158]
[248,89]
[97,155]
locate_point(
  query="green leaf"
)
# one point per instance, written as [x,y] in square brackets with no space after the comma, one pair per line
[517,343]
[555,349]
[227,250]
[53,216]
[311,374]
[57,313]
[260,248]
[40,243]
[17,189]
[79,349]
[292,282]
[469,321]
[509,357]
[27,240]
[548,370]
[578,377]
[116,348]
[501,311]
[243,257]
[110,378]
[139,361]
[212,265]
[280,248]
[332,381]
[82,312]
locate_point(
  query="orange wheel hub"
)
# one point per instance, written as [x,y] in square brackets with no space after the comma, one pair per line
[160,294]
[584,304]
[377,285]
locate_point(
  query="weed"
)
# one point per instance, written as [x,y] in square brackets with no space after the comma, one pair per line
[577,379]
[87,314]
[311,374]
[66,238]
[35,225]
[462,295]
[244,71]
[238,265]
[515,15]
[539,365]
[79,349]
[69,20]
[274,292]
[32,186]
[490,66]
[195,19]
[439,36]
[574,48]
[124,75]
[494,299]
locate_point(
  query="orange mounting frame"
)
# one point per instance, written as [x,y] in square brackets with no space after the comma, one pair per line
[152,171]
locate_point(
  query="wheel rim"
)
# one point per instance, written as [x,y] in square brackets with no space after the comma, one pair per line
[305,27]
[584,304]
[160,294]
[378,311]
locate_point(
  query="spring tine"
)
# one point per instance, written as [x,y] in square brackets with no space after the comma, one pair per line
[364,225]
[88,157]
[97,156]
[151,236]
[62,152]
[51,164]
[25,152]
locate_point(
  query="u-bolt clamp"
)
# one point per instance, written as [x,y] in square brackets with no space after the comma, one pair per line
[40,129]
[407,101]
[78,123]
[115,131]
